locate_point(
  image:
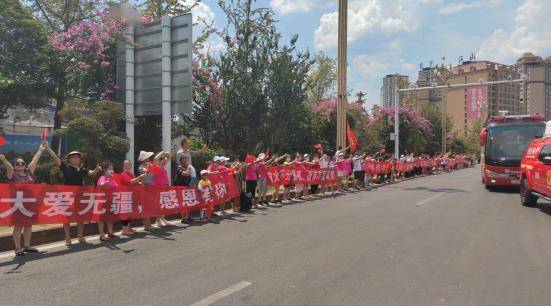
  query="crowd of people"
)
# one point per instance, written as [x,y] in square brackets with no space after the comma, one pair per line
[353,170]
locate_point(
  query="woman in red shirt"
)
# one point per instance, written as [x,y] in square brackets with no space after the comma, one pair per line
[127,178]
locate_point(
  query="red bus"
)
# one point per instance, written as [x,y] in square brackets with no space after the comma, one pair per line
[503,142]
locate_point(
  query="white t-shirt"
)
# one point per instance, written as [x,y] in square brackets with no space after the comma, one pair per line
[359,164]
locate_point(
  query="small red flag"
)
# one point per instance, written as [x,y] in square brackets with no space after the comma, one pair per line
[44,134]
[2,141]
[352,141]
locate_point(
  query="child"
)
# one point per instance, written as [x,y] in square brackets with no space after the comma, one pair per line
[204,184]
[107,179]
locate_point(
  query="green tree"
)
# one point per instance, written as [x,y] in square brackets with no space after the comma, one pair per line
[96,131]
[24,58]
[458,144]
[158,8]
[433,114]
[322,78]
[57,16]
[251,38]
[290,120]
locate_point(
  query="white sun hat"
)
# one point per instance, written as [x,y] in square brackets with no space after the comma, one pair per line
[144,155]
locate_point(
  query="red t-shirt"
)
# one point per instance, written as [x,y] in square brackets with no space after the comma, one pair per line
[124,178]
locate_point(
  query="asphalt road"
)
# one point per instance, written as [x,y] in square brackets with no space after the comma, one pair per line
[438,240]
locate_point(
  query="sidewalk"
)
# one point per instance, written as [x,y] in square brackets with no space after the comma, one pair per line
[44,234]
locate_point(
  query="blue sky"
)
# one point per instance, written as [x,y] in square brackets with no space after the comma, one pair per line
[394,36]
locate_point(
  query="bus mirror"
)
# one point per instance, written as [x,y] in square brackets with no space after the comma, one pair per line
[482,137]
[538,136]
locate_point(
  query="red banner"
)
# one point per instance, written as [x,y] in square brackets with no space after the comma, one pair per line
[53,204]
[289,175]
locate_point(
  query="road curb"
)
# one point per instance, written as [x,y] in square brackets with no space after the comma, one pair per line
[55,233]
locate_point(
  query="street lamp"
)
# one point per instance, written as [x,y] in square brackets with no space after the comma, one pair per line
[447,86]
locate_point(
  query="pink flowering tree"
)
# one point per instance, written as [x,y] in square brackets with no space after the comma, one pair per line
[90,49]
[356,116]
[207,98]
[414,129]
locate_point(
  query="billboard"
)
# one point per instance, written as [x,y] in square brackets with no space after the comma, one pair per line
[148,72]
[477,103]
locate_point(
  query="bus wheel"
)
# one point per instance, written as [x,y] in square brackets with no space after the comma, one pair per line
[526,197]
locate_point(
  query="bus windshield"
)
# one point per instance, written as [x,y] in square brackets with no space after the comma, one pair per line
[506,143]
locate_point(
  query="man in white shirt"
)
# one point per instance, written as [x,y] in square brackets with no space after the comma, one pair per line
[185,151]
[359,171]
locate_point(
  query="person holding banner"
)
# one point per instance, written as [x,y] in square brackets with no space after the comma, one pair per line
[160,177]
[107,179]
[205,187]
[359,171]
[288,165]
[145,160]
[262,171]
[20,173]
[307,164]
[298,168]
[127,178]
[251,176]
[275,195]
[73,175]
[323,166]
[218,166]
[185,176]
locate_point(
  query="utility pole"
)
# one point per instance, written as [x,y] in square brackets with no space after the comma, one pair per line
[341,71]
[396,118]
[443,123]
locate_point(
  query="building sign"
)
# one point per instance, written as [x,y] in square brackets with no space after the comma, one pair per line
[477,103]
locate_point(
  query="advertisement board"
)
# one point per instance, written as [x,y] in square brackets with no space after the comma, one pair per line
[477,102]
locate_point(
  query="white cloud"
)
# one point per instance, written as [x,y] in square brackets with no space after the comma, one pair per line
[296,6]
[528,35]
[203,16]
[430,1]
[457,7]
[371,68]
[365,17]
[290,6]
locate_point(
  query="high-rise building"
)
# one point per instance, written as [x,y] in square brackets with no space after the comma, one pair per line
[389,86]
[471,104]
[429,76]
[535,93]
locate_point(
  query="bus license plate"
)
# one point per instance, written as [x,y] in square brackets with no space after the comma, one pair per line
[515,182]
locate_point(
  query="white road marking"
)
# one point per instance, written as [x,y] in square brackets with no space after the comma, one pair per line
[222,294]
[429,199]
